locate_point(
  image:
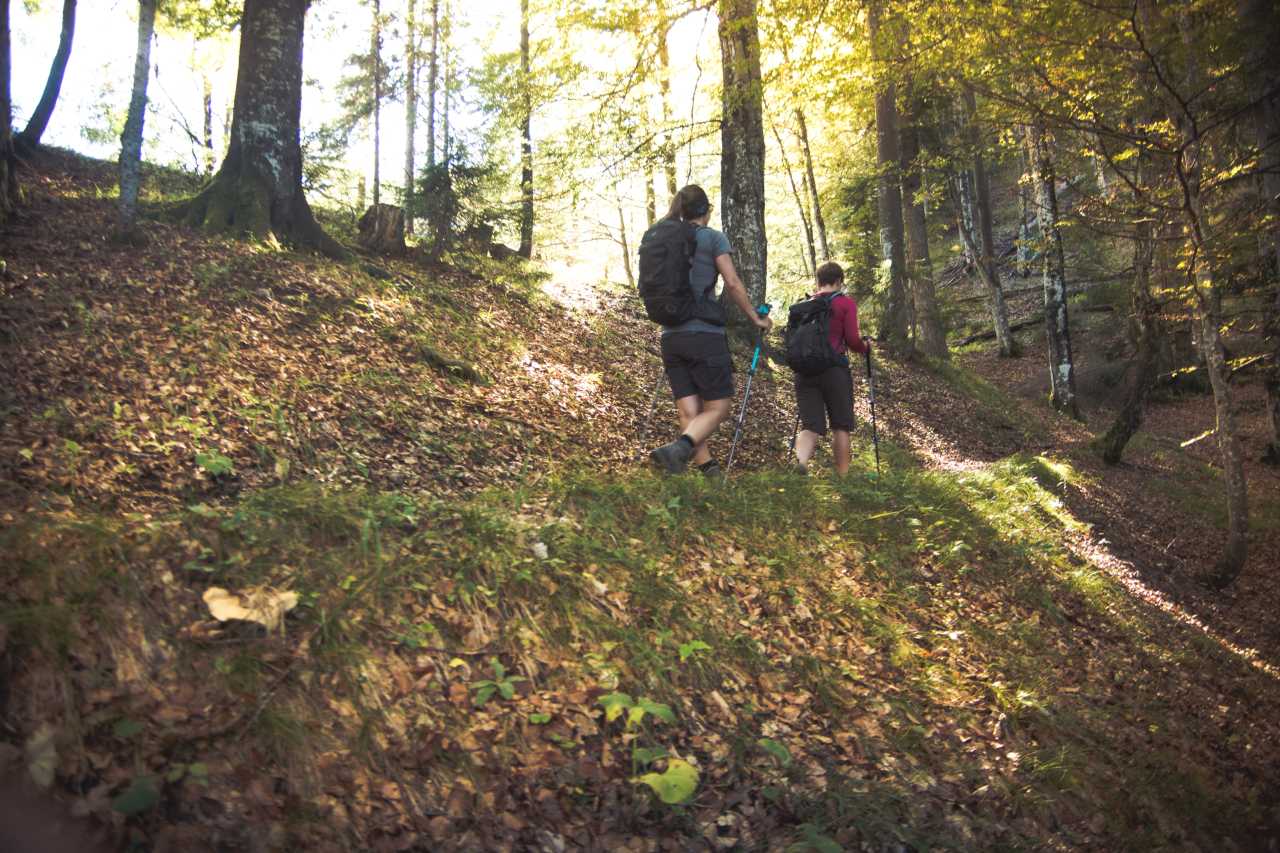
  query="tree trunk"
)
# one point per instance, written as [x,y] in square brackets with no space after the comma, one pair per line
[1146,320]
[626,250]
[448,83]
[131,138]
[258,189]
[432,73]
[207,142]
[650,203]
[977,207]
[1260,29]
[526,139]
[8,163]
[1062,377]
[820,224]
[933,340]
[894,319]
[410,111]
[30,136]
[375,48]
[382,229]
[808,254]
[664,86]
[742,147]
[1028,228]
[965,219]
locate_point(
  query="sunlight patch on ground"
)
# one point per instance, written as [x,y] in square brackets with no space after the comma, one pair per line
[1094,550]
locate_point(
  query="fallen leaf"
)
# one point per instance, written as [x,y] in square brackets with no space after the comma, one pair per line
[264,606]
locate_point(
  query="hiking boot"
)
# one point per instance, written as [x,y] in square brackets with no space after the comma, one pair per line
[712,471]
[673,457]
[798,467]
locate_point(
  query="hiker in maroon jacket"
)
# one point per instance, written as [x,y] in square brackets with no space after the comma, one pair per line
[830,393]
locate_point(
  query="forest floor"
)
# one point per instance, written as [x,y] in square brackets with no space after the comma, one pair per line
[507,634]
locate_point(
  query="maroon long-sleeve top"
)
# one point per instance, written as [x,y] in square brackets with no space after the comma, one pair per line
[844,325]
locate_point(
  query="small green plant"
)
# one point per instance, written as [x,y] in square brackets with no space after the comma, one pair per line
[501,683]
[688,650]
[214,464]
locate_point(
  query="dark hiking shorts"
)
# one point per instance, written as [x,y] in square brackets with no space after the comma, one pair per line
[829,394]
[698,363]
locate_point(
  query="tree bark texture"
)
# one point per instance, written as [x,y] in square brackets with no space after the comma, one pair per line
[410,111]
[894,319]
[131,137]
[809,253]
[650,202]
[1145,317]
[1062,377]
[742,147]
[8,163]
[626,250]
[29,138]
[433,72]
[978,210]
[258,189]
[375,49]
[931,337]
[965,218]
[526,138]
[1260,28]
[445,141]
[819,224]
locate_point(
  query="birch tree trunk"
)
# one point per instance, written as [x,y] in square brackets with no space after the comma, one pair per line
[448,84]
[1260,28]
[410,111]
[1062,377]
[131,137]
[742,148]
[30,136]
[258,188]
[432,73]
[375,48]
[820,225]
[207,142]
[932,339]
[526,144]
[894,332]
[8,163]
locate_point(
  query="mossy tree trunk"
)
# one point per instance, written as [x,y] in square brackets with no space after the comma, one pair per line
[932,339]
[30,136]
[1062,371]
[742,147]
[1146,332]
[258,189]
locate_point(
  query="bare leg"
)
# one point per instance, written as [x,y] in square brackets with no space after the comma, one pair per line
[840,449]
[806,444]
[698,419]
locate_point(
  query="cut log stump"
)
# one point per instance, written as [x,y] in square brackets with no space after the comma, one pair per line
[382,229]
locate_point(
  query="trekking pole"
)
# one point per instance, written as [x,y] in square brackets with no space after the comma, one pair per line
[871,393]
[763,311]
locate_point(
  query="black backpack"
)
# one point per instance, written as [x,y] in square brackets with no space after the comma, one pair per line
[666,256]
[809,350]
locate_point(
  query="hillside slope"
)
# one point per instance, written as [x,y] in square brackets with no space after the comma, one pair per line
[503,622]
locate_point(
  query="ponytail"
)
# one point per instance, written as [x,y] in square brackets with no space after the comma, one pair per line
[690,203]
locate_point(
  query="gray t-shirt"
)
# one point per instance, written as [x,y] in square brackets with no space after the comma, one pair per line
[702,276]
